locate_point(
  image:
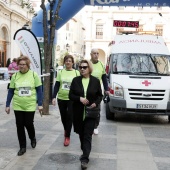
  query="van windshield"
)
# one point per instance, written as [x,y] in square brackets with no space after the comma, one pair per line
[141,64]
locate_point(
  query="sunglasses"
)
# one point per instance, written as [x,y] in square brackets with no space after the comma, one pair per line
[83,67]
[21,64]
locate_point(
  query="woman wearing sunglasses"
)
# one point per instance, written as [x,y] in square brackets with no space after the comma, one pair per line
[85,90]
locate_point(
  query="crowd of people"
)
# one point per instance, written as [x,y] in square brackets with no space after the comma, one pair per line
[75,92]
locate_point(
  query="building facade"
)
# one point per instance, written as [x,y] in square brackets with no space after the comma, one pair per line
[98,23]
[70,38]
[13,16]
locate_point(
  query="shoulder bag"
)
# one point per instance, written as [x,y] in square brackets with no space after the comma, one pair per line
[92,112]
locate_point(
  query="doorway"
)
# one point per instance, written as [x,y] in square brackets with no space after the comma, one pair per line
[2,53]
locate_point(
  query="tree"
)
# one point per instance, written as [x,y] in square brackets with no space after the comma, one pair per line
[48,46]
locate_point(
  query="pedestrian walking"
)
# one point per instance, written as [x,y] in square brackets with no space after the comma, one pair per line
[85,91]
[62,87]
[25,89]
[8,62]
[98,72]
[13,67]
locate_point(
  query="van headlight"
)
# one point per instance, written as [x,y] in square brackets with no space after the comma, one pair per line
[116,90]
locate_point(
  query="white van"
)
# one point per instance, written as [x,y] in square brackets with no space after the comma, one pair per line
[138,72]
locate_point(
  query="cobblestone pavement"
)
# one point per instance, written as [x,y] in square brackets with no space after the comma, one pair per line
[129,143]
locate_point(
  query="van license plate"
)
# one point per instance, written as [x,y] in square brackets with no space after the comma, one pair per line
[146,106]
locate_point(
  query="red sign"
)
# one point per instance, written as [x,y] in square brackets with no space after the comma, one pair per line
[119,23]
[146,83]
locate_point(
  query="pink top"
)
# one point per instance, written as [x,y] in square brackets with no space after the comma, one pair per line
[13,66]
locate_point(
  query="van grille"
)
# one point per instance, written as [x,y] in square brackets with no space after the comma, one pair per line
[146,94]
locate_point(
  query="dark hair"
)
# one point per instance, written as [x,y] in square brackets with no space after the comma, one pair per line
[8,62]
[25,58]
[67,57]
[14,59]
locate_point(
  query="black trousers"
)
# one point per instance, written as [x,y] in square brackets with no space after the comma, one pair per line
[86,138]
[65,107]
[24,120]
[97,120]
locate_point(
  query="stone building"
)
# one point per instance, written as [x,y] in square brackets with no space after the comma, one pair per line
[100,31]
[14,14]
[70,38]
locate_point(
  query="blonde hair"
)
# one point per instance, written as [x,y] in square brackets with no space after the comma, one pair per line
[89,63]
[25,58]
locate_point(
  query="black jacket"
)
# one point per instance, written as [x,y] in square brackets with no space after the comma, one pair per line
[94,95]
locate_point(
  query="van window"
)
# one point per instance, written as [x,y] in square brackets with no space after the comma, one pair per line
[140,64]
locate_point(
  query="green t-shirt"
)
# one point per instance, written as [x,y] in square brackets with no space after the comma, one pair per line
[98,70]
[25,98]
[85,82]
[65,78]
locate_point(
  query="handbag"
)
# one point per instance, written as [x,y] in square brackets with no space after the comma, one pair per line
[92,112]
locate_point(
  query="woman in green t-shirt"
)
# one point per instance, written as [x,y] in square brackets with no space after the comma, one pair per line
[62,87]
[25,89]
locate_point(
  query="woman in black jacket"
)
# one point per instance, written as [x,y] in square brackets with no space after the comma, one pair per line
[85,90]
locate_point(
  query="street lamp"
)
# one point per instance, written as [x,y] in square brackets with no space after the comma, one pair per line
[26,26]
[67,47]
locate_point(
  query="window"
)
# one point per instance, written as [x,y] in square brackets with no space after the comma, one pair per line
[140,29]
[140,8]
[100,7]
[119,30]
[99,31]
[121,7]
[138,63]
[159,30]
[3,46]
[159,8]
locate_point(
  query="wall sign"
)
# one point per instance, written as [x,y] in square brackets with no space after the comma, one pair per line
[119,23]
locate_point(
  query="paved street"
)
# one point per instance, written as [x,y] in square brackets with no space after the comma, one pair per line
[129,143]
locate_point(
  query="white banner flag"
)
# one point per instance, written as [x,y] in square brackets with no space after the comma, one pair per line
[29,46]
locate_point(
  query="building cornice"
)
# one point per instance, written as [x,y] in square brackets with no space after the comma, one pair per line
[6,12]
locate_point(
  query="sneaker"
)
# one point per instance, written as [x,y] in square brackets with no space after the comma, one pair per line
[66,141]
[84,165]
[96,131]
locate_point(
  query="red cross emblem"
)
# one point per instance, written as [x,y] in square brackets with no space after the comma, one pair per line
[146,83]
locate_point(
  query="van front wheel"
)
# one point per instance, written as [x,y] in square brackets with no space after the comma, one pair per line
[169,118]
[109,115]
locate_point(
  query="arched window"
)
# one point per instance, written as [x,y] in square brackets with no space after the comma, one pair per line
[159,29]
[99,29]
[3,43]
[140,29]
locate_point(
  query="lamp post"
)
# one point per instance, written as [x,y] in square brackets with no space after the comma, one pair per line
[26,26]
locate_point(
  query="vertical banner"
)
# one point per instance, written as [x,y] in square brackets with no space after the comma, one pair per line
[29,46]
[41,45]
